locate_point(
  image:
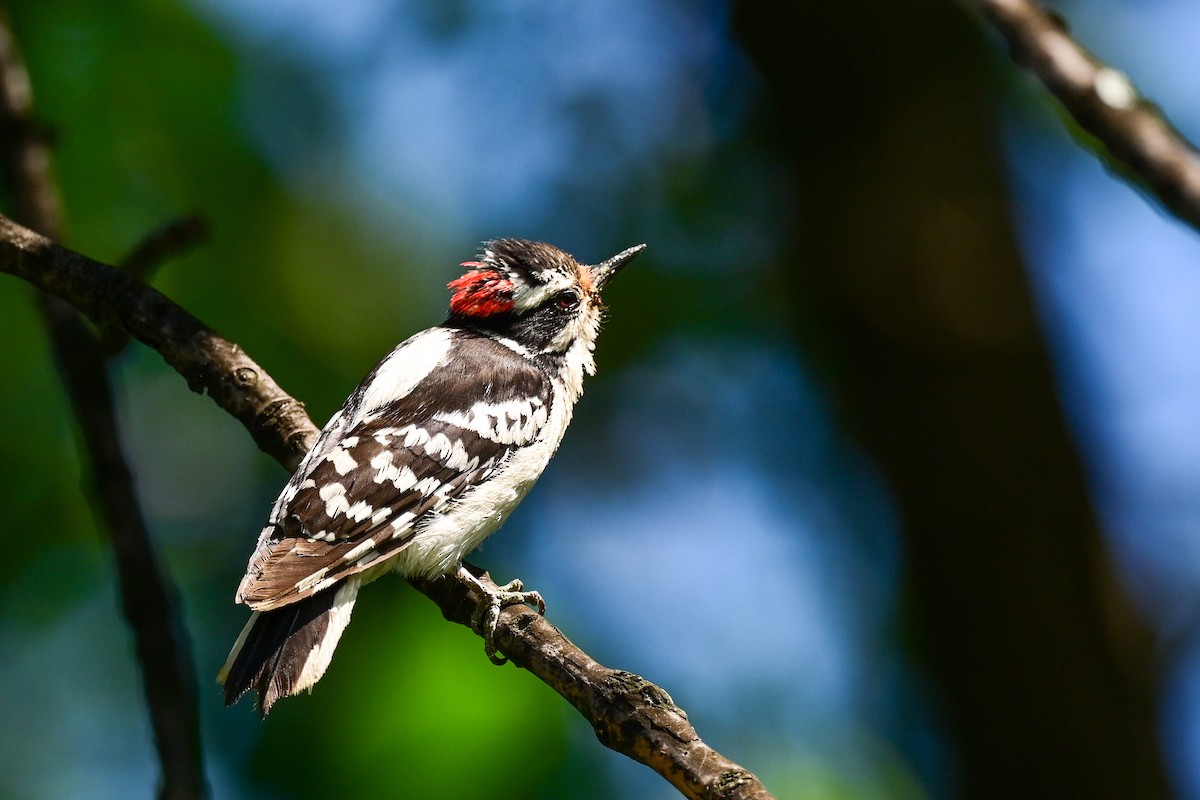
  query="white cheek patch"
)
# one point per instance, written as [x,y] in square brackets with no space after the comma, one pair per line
[582,331]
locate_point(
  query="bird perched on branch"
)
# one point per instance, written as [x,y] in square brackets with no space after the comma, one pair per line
[425,459]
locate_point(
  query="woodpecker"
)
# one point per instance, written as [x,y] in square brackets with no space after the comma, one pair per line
[424,460]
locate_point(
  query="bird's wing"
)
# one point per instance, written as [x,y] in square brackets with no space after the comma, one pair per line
[362,498]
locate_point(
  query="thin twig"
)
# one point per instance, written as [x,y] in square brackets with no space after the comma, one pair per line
[147,596]
[164,243]
[1104,102]
[629,714]
[148,255]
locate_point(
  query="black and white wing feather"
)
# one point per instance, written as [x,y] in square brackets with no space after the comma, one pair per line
[390,471]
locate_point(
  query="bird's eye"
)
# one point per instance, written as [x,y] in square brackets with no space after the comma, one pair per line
[566,300]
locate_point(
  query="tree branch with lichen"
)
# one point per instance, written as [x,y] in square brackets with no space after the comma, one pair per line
[1135,133]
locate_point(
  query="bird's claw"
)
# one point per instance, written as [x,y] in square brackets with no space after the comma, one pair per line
[487,616]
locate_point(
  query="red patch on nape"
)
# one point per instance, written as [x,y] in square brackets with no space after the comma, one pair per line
[481,292]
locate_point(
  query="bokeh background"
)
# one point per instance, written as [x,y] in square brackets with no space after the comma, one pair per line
[889,471]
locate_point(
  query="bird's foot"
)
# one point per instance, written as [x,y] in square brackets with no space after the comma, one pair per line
[488,615]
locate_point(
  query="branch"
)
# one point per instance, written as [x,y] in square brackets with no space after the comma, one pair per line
[111,298]
[147,595]
[1104,103]
[148,255]
[165,242]
[630,715]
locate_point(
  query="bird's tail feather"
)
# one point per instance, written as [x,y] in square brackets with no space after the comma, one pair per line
[285,651]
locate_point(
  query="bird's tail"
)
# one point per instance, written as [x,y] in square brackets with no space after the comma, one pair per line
[286,650]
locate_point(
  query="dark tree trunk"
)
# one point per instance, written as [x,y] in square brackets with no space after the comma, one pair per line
[907,262]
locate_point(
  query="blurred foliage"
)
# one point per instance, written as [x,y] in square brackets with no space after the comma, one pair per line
[430,703]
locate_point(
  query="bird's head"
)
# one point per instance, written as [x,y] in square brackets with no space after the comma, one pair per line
[535,294]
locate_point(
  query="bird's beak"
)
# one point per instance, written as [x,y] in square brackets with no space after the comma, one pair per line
[603,272]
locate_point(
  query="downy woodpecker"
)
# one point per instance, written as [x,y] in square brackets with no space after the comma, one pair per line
[425,459]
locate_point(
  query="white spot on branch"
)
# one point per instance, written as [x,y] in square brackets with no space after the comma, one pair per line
[1114,89]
